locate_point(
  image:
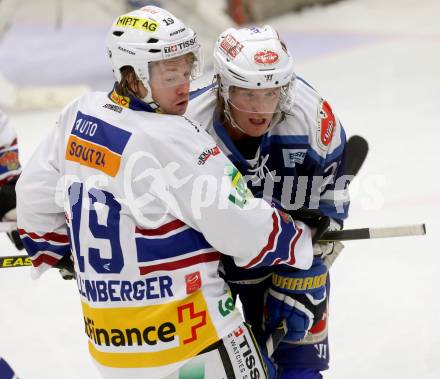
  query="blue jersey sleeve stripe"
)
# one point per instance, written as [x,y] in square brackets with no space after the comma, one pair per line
[187,241]
[33,247]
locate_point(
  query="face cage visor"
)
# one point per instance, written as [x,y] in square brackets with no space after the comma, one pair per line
[176,71]
[257,101]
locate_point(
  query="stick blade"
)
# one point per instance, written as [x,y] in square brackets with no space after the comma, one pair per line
[356,152]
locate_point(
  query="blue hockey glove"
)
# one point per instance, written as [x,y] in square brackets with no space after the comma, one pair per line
[297,296]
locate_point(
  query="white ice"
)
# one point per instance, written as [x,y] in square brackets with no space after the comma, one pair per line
[378,64]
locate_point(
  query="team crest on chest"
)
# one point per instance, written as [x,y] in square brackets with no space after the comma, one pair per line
[293,157]
[326,125]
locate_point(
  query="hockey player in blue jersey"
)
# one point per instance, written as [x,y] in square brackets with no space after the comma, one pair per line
[285,139]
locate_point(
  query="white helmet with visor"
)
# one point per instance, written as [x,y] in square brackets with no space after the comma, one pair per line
[147,35]
[254,58]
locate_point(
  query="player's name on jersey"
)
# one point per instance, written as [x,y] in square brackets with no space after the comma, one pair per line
[99,291]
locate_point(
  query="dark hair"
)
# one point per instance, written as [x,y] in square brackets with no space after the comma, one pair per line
[219,112]
[128,77]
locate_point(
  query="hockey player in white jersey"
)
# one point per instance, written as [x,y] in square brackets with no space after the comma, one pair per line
[145,200]
[10,170]
[289,145]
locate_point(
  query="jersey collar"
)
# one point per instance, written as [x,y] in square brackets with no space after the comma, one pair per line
[132,102]
[235,155]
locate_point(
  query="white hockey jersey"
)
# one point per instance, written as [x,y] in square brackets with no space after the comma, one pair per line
[9,163]
[149,201]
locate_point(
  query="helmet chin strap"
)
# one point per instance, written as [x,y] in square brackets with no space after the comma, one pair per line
[149,98]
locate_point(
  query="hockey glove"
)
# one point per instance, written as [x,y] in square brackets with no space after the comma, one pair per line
[297,296]
[327,251]
[8,203]
[66,267]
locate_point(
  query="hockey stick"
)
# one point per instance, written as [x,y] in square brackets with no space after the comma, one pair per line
[15,261]
[371,233]
[356,152]
[340,235]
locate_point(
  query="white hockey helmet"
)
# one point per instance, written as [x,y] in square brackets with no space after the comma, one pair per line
[148,35]
[253,58]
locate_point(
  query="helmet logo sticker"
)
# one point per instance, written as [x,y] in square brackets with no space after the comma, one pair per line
[326,124]
[126,50]
[180,48]
[254,30]
[269,77]
[266,57]
[143,24]
[231,46]
[151,10]
[177,32]
[170,49]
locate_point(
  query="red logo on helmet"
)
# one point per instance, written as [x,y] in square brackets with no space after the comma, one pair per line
[231,46]
[326,124]
[266,57]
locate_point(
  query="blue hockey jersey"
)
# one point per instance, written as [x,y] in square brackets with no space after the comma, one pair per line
[298,163]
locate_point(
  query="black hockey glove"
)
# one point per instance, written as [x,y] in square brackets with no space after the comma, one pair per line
[66,267]
[8,203]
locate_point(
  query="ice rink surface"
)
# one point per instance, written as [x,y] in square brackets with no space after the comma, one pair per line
[378,63]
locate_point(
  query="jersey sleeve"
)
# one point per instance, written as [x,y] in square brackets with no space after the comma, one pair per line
[40,217]
[9,161]
[209,194]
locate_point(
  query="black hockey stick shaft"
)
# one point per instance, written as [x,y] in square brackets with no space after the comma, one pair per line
[340,235]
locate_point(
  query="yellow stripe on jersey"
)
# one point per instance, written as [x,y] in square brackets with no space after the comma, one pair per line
[149,336]
[91,155]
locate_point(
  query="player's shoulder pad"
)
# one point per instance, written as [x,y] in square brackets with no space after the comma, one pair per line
[202,105]
[315,112]
[87,100]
